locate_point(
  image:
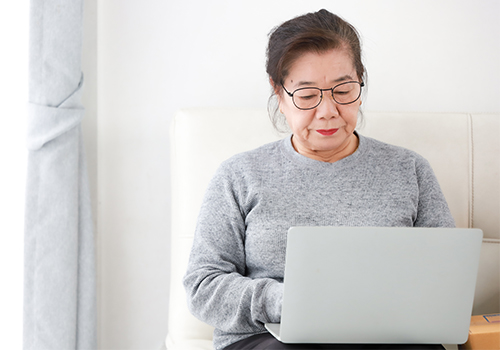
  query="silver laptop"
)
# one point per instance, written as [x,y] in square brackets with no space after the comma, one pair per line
[378,285]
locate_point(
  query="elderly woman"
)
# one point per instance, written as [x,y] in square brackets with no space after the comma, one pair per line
[323,174]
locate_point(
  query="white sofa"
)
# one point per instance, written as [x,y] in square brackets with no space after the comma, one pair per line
[463,149]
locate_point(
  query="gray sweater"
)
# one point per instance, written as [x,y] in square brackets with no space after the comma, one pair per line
[235,272]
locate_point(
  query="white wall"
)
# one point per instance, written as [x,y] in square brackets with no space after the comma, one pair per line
[156,56]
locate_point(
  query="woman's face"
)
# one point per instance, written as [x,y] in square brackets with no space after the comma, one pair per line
[326,132]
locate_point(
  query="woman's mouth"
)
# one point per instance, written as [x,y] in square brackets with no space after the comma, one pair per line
[327,132]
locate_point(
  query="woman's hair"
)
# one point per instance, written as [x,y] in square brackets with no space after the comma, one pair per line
[313,32]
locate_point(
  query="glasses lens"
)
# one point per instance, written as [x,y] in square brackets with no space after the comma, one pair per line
[307,98]
[347,93]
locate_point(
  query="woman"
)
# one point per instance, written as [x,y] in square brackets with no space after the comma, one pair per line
[324,174]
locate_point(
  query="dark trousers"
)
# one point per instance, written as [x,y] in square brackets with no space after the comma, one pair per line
[266,341]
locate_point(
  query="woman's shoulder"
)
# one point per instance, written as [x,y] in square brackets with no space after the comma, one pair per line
[257,158]
[384,150]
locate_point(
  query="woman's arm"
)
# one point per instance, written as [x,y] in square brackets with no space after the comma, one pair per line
[433,210]
[217,290]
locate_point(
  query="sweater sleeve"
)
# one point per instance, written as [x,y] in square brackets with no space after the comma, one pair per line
[217,290]
[433,210]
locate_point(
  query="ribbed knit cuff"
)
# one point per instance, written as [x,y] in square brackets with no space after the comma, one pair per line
[273,301]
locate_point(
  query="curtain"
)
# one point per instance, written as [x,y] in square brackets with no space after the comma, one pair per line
[59,271]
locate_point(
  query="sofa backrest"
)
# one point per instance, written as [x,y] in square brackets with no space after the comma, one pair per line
[463,150]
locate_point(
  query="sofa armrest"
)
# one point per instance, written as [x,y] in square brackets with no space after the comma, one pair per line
[486,299]
[192,344]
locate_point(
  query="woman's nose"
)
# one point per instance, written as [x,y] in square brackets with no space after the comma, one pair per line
[328,107]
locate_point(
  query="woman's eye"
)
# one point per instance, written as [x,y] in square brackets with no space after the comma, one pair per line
[310,97]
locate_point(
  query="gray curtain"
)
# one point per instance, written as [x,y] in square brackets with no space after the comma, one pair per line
[59,286]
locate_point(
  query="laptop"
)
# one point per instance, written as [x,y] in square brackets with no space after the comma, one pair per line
[378,285]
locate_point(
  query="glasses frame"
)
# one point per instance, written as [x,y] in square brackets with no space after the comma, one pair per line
[361,85]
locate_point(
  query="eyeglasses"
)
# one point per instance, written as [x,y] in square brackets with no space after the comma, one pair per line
[310,97]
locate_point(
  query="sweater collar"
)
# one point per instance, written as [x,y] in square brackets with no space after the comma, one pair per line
[298,158]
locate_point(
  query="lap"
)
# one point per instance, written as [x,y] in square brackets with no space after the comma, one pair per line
[266,341]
